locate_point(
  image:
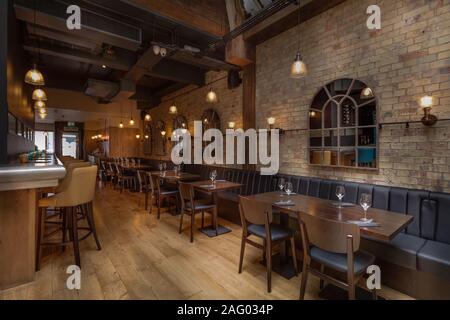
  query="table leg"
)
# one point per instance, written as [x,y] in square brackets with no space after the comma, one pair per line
[211,230]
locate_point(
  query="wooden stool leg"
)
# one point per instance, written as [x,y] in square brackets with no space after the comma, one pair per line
[76,247]
[91,222]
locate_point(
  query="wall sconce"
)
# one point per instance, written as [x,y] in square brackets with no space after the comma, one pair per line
[231,125]
[271,121]
[138,136]
[367,93]
[312,114]
[426,102]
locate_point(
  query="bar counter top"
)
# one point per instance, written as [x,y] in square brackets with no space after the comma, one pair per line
[40,173]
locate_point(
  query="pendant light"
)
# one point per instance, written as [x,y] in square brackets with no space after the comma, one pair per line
[39,104]
[211,97]
[39,95]
[131,118]
[34,76]
[148,117]
[121,125]
[298,68]
[173,109]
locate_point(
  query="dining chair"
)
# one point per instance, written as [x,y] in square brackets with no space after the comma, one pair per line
[257,220]
[145,185]
[162,193]
[192,206]
[333,245]
[123,179]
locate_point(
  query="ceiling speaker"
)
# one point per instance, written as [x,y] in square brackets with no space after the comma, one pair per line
[234,79]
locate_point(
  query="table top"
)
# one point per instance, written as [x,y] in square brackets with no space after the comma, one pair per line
[391,224]
[136,167]
[171,175]
[219,186]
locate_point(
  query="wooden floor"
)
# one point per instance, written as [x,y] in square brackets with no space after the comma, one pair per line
[143,258]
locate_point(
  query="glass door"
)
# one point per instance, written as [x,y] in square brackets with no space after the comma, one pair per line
[70,145]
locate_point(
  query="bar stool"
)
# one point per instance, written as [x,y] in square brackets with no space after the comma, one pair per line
[78,196]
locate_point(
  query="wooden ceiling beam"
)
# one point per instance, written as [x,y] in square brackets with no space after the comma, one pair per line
[286,19]
[206,16]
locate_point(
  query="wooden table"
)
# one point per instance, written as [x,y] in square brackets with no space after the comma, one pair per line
[391,224]
[173,177]
[219,186]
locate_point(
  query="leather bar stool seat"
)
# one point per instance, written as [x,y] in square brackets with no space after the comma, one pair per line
[77,196]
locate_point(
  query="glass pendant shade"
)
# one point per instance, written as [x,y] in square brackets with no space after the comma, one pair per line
[34,77]
[131,122]
[367,93]
[39,104]
[298,68]
[42,111]
[39,95]
[121,125]
[173,109]
[148,117]
[211,97]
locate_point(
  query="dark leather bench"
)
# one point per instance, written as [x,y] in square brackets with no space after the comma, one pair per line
[423,247]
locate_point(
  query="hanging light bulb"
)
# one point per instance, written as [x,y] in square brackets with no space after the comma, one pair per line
[132,121]
[121,125]
[34,77]
[298,68]
[39,104]
[138,136]
[367,93]
[173,109]
[211,97]
[42,111]
[148,117]
[39,95]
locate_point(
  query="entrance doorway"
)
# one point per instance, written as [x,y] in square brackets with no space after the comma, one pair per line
[70,145]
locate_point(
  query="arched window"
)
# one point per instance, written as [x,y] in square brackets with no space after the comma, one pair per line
[343,126]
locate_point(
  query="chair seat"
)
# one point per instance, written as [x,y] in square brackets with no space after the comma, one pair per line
[168,192]
[278,232]
[200,205]
[338,261]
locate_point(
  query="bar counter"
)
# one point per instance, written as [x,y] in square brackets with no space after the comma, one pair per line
[20,185]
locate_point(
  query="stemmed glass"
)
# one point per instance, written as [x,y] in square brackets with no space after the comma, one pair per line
[213,176]
[340,194]
[160,167]
[281,184]
[289,188]
[366,202]
[164,165]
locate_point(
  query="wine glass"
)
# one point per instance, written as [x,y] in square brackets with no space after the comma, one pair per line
[213,176]
[340,194]
[281,184]
[164,166]
[161,167]
[366,202]
[289,188]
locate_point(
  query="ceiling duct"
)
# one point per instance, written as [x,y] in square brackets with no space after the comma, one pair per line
[102,91]
[98,28]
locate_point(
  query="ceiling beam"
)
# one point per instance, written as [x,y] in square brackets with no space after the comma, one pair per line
[205,16]
[178,72]
[169,89]
[98,28]
[286,19]
[120,63]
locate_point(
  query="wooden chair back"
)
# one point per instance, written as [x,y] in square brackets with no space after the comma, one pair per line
[329,235]
[255,212]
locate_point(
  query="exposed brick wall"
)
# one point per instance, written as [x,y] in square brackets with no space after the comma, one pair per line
[193,104]
[409,57]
